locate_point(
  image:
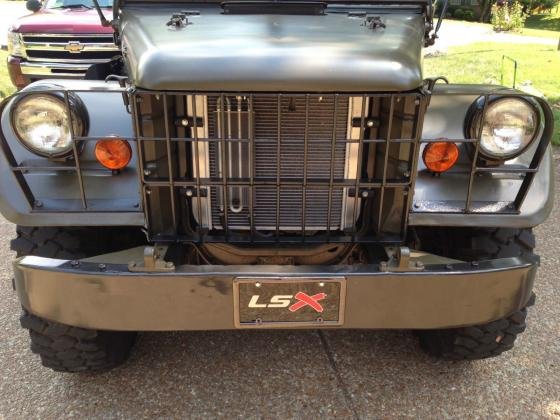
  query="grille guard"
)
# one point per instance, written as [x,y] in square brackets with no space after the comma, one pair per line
[84,204]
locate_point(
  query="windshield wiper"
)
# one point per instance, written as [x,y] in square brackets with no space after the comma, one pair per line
[72,6]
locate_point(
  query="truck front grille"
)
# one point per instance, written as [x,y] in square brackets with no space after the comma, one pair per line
[280,136]
[255,167]
[70,48]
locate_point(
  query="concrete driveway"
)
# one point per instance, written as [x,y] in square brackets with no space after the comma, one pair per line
[9,12]
[359,374]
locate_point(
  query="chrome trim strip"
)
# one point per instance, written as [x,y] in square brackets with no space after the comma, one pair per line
[203,164]
[351,163]
[37,35]
[46,69]
[63,46]
[67,60]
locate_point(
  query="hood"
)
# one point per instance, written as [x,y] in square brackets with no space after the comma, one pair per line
[314,53]
[63,21]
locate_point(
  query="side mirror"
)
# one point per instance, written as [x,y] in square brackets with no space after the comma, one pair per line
[33,5]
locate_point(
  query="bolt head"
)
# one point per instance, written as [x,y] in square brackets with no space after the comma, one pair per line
[185,122]
[322,284]
[369,123]
[258,284]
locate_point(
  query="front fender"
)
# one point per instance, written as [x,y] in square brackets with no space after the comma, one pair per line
[445,118]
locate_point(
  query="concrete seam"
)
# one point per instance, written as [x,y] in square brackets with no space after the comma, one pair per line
[345,392]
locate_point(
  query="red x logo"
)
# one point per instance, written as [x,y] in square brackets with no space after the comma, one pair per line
[305,300]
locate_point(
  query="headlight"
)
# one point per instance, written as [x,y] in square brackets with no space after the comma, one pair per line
[41,123]
[15,44]
[510,125]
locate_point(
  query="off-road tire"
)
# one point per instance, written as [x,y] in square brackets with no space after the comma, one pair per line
[493,338]
[478,342]
[74,243]
[475,244]
[62,347]
[71,349]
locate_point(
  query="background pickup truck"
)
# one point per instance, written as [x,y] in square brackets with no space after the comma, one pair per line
[60,39]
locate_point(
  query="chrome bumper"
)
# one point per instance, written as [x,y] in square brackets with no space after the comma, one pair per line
[108,296]
[42,70]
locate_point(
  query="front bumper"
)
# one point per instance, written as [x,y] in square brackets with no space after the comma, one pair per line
[23,72]
[108,296]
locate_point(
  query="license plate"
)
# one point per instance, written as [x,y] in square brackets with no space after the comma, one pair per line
[288,302]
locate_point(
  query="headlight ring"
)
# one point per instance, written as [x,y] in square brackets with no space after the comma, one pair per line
[511,124]
[41,122]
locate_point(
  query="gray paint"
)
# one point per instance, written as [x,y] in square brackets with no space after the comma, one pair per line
[218,52]
[117,194]
[445,118]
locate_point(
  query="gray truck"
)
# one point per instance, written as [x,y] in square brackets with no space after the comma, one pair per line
[272,164]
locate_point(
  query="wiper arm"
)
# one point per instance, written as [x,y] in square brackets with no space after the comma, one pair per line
[102,18]
[72,6]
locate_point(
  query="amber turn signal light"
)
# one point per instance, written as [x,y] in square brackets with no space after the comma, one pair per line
[113,153]
[440,156]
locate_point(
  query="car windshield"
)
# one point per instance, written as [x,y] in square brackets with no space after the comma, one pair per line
[88,4]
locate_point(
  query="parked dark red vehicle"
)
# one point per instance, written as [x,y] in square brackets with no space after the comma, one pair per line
[60,39]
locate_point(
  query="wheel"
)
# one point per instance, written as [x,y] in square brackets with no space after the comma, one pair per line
[67,348]
[75,242]
[493,338]
[70,349]
[472,244]
[477,342]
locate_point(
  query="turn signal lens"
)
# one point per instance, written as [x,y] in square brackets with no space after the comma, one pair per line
[440,156]
[113,153]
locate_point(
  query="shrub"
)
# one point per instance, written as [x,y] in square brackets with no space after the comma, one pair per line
[458,14]
[468,15]
[507,17]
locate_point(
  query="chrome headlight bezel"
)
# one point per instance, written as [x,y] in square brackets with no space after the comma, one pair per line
[78,114]
[474,119]
[15,44]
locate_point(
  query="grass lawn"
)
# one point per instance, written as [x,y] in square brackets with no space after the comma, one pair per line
[529,30]
[6,86]
[481,63]
[550,22]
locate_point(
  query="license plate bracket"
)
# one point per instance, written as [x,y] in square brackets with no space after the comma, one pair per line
[288,302]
